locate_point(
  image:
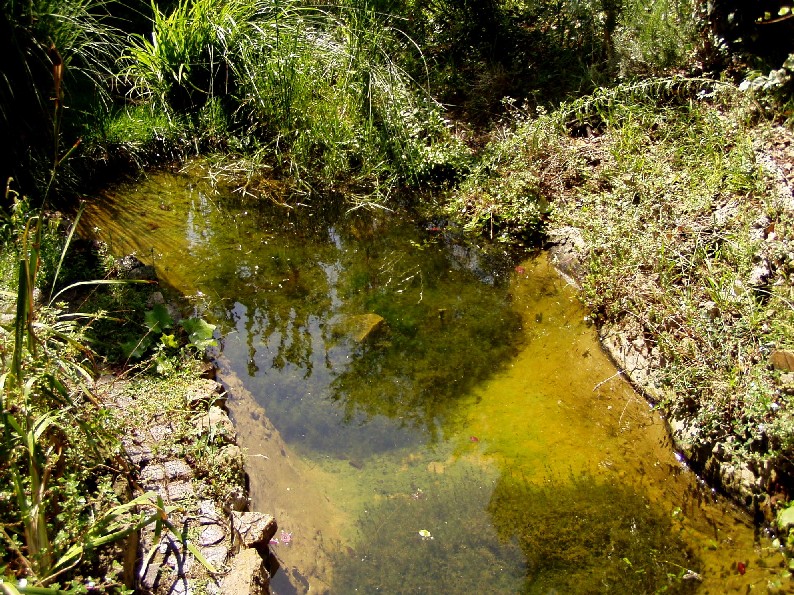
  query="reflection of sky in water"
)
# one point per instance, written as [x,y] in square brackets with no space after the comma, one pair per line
[324,389]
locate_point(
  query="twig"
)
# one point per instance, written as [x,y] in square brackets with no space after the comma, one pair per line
[603,382]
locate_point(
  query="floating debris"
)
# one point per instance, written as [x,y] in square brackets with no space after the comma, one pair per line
[425,534]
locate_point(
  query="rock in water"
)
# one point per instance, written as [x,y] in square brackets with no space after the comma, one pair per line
[361,327]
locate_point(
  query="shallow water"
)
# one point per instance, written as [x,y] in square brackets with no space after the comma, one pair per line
[474,440]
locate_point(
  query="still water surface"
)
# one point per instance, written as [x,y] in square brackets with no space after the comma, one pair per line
[424,416]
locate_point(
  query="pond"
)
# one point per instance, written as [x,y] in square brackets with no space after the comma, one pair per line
[426,416]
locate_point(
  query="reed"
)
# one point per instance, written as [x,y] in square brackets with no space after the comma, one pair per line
[318,86]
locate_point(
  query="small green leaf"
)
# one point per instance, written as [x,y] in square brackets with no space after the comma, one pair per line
[169,341]
[784,10]
[158,319]
[199,332]
[785,517]
[204,562]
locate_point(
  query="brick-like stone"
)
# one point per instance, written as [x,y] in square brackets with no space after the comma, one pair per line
[252,529]
[211,535]
[152,474]
[177,469]
[160,432]
[216,554]
[208,513]
[180,490]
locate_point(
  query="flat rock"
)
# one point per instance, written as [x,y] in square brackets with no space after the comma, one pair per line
[180,490]
[361,327]
[211,535]
[783,359]
[177,469]
[205,393]
[216,555]
[252,528]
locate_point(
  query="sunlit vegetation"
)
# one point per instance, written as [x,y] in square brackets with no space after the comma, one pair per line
[635,122]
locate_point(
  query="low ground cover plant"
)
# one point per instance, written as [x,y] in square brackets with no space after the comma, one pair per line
[687,237]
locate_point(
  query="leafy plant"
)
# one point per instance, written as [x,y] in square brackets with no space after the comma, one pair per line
[196,334]
[54,430]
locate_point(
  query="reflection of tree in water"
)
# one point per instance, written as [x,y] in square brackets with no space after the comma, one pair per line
[445,332]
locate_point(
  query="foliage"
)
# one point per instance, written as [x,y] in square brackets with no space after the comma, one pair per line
[653,38]
[685,239]
[478,53]
[316,87]
[56,52]
[510,192]
[775,90]
[54,433]
[196,334]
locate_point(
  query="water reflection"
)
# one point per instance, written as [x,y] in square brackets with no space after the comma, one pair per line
[287,286]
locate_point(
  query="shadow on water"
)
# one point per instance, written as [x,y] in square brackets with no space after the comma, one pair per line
[474,534]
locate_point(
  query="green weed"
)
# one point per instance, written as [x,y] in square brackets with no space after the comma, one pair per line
[683,235]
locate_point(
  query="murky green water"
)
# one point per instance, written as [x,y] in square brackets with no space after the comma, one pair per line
[423,417]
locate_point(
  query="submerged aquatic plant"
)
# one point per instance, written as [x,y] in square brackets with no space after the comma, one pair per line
[506,535]
[585,536]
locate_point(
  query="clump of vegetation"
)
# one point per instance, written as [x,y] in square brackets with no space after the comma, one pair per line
[316,90]
[59,455]
[590,537]
[67,485]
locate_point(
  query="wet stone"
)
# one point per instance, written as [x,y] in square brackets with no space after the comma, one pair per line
[236,500]
[783,359]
